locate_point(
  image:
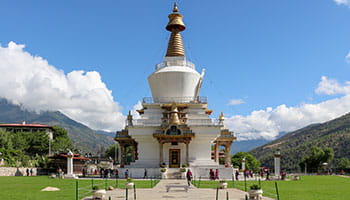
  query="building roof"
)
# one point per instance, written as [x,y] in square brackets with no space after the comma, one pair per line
[75,157]
[26,125]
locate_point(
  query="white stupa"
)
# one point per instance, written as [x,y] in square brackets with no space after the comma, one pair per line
[175,126]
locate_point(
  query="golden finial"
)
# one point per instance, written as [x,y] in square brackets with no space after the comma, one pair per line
[175,8]
[175,26]
[221,117]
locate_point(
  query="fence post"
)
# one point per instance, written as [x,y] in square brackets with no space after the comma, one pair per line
[278,196]
[233,181]
[134,192]
[76,190]
[227,196]
[92,183]
[106,184]
[126,193]
[246,197]
[217,193]
[151,182]
[116,182]
[259,183]
[199,183]
[245,183]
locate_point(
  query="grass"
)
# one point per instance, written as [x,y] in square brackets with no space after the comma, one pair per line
[28,188]
[308,188]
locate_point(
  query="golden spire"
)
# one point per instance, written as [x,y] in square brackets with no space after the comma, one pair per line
[175,26]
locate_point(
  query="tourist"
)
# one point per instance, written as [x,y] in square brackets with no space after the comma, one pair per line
[126,174]
[145,174]
[283,175]
[27,172]
[31,172]
[189,177]
[237,174]
[267,174]
[217,174]
[211,174]
[261,173]
[116,172]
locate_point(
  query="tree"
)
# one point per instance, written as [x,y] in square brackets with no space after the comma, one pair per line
[111,150]
[343,163]
[317,157]
[251,163]
[61,141]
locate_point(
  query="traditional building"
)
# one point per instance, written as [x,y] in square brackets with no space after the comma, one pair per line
[175,126]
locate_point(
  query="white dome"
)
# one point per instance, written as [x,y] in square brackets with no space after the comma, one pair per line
[174,83]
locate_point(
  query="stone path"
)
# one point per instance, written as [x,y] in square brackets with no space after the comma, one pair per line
[159,192]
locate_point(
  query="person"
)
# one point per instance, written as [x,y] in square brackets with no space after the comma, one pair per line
[126,174]
[211,174]
[31,172]
[116,172]
[145,174]
[27,172]
[267,174]
[217,174]
[283,175]
[189,177]
[237,174]
[60,173]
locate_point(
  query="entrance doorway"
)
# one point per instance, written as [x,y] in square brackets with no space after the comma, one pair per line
[174,158]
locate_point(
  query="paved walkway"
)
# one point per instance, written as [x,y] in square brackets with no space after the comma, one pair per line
[159,192]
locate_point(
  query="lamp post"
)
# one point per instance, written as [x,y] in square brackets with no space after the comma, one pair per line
[277,155]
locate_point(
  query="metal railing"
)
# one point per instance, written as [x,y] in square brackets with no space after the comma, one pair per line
[182,63]
[205,122]
[195,100]
[154,122]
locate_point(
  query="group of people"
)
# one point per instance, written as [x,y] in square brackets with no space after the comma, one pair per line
[29,172]
[214,175]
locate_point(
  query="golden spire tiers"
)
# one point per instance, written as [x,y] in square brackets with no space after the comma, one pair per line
[175,26]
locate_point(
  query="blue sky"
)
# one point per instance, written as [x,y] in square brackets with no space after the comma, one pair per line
[263,54]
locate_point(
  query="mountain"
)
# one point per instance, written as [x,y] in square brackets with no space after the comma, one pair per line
[83,138]
[111,134]
[247,145]
[295,145]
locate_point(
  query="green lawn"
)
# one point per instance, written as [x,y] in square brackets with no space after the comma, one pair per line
[28,188]
[308,188]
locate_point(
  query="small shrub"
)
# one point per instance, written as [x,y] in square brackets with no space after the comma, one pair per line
[95,187]
[129,180]
[222,181]
[184,165]
[255,187]
[183,170]
[163,170]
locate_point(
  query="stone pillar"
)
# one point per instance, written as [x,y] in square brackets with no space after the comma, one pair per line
[161,159]
[243,164]
[216,152]
[277,156]
[187,152]
[228,155]
[70,173]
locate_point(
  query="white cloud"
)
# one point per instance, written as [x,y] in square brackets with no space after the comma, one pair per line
[29,80]
[343,2]
[270,122]
[347,58]
[234,102]
[332,87]
[134,113]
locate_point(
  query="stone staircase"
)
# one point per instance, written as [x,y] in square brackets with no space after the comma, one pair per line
[173,173]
